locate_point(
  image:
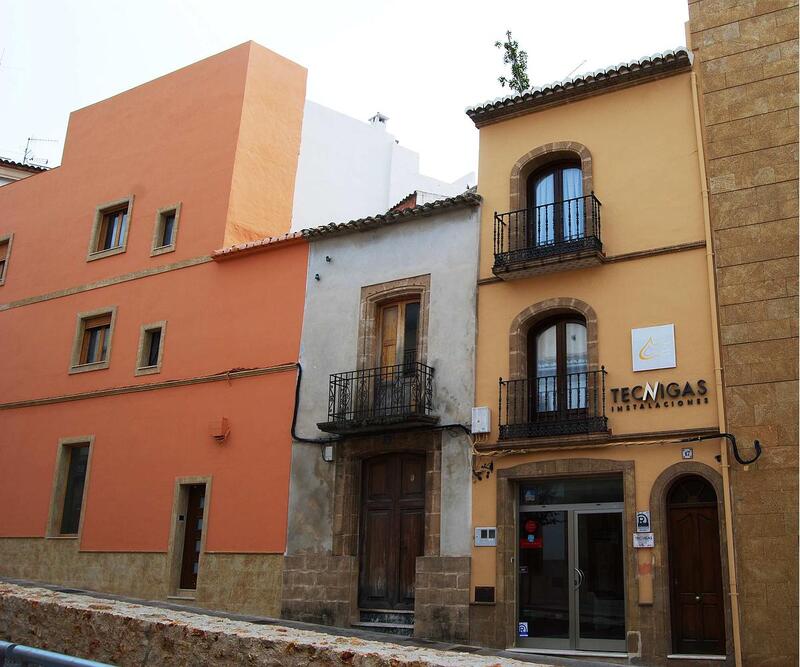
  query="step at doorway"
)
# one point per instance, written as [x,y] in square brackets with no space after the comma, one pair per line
[389,621]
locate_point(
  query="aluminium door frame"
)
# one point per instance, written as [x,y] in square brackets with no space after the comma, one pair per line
[573,510]
[599,644]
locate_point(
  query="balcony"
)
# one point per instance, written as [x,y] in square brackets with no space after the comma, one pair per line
[572,404]
[547,238]
[380,399]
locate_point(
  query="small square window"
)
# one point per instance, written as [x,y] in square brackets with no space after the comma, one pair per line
[92,347]
[113,228]
[151,348]
[69,486]
[5,252]
[110,229]
[166,229]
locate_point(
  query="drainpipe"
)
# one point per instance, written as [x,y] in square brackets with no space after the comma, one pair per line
[724,463]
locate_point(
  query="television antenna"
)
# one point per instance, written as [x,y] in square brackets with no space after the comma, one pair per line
[29,157]
[574,69]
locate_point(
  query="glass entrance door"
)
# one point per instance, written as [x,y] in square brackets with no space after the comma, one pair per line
[545,583]
[570,570]
[600,587]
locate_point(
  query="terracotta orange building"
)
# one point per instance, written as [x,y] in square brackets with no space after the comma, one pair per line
[146,388]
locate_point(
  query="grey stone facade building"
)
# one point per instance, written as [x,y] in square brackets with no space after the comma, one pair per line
[380,534]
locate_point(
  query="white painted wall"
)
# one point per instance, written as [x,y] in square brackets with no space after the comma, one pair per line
[350,169]
[444,246]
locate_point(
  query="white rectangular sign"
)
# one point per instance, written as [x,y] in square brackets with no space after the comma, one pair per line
[643,521]
[653,347]
[643,540]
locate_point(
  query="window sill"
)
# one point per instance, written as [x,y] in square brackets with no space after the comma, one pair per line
[61,537]
[85,368]
[100,254]
[162,250]
[147,370]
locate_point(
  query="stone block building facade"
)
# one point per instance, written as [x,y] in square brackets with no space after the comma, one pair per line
[746,66]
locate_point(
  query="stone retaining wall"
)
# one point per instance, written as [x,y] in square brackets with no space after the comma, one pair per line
[123,633]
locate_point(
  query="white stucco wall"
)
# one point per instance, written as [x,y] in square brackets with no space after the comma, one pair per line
[444,246]
[350,169]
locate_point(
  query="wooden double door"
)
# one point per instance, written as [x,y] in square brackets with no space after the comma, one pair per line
[392,533]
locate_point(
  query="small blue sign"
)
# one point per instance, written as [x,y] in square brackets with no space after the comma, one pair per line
[523,629]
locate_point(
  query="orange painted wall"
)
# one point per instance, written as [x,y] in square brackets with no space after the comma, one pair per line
[267,150]
[243,313]
[142,443]
[173,139]
[646,174]
[179,138]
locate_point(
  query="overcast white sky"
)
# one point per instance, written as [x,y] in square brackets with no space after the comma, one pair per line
[421,62]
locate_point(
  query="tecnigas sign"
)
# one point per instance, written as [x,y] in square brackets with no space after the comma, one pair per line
[659,395]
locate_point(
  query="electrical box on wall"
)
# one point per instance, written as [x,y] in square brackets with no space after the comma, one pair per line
[481,420]
[486,537]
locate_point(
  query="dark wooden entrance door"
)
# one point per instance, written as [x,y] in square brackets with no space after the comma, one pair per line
[698,611]
[193,534]
[392,530]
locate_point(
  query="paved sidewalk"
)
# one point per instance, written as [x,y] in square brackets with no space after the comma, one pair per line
[277,637]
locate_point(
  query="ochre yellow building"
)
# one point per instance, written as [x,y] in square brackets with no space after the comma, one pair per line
[595,257]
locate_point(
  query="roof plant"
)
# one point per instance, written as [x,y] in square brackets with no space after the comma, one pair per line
[518,59]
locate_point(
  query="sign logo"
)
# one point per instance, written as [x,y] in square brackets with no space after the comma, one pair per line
[522,629]
[648,350]
[653,347]
[643,522]
[659,395]
[650,392]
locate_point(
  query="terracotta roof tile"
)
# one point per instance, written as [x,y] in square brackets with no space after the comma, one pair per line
[622,75]
[21,165]
[251,246]
[468,198]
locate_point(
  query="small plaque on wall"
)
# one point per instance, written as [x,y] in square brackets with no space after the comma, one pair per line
[484,594]
[643,540]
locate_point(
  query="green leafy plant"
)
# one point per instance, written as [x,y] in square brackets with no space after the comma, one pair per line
[518,59]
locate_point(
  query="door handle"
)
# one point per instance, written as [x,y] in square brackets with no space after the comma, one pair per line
[697,597]
[579,572]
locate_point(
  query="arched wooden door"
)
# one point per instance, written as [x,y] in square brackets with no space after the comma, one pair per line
[697,600]
[392,530]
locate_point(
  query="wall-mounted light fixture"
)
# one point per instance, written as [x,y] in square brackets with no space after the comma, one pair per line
[220,430]
[328,453]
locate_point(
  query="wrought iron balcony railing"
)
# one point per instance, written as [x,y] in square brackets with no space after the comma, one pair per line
[369,399]
[547,406]
[546,231]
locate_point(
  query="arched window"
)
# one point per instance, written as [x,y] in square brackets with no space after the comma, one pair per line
[558,365]
[691,490]
[556,208]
